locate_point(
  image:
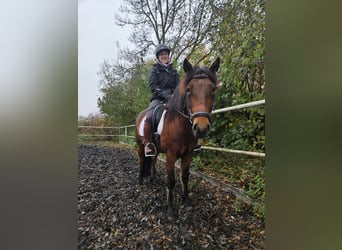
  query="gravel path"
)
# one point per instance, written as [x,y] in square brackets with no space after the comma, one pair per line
[114,212]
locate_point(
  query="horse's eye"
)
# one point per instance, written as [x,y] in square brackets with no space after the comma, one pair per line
[187,90]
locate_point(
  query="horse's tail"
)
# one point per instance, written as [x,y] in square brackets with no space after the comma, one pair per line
[146,167]
[144,162]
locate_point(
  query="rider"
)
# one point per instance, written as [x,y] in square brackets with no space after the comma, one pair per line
[163,80]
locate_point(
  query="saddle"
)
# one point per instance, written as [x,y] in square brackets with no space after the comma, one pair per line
[157,113]
[157,122]
[156,116]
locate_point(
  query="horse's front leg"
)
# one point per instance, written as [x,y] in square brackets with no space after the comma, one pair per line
[170,182]
[153,169]
[185,165]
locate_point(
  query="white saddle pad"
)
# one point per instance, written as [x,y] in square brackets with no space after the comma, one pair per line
[160,125]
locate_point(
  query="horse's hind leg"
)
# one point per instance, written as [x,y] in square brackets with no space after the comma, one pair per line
[171,182]
[141,156]
[185,164]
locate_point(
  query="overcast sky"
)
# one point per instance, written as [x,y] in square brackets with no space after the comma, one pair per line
[97,36]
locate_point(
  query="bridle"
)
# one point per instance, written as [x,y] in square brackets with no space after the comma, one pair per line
[187,113]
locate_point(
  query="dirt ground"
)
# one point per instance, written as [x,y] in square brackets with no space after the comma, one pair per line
[115,212]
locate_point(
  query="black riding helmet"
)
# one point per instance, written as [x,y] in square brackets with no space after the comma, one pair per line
[162,47]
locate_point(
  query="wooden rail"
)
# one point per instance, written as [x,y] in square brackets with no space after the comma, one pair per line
[234,151]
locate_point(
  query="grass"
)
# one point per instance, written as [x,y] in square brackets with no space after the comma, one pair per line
[247,173]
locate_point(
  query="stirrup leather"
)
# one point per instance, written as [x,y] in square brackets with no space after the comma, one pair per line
[153,149]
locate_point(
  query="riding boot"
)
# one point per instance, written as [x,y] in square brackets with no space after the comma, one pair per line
[150,149]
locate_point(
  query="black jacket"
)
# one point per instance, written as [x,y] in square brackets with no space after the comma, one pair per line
[162,81]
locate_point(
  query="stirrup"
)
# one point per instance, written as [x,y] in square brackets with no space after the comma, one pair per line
[152,148]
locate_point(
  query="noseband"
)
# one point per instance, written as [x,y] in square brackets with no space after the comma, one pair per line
[187,113]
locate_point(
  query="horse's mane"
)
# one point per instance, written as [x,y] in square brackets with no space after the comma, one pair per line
[177,101]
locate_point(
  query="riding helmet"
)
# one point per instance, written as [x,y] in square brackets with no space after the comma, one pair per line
[162,47]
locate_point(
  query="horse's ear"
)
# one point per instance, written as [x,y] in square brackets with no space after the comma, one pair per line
[215,66]
[187,66]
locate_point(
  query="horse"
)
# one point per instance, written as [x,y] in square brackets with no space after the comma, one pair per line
[186,119]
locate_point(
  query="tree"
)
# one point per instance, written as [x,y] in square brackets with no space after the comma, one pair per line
[240,39]
[183,25]
[123,100]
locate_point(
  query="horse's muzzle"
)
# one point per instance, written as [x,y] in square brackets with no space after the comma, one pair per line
[200,131]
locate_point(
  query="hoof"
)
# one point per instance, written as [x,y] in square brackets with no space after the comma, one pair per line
[152,180]
[170,214]
[187,202]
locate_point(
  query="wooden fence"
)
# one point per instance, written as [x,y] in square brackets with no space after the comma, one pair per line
[123,130]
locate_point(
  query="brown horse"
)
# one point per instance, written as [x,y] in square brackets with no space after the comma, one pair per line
[187,118]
